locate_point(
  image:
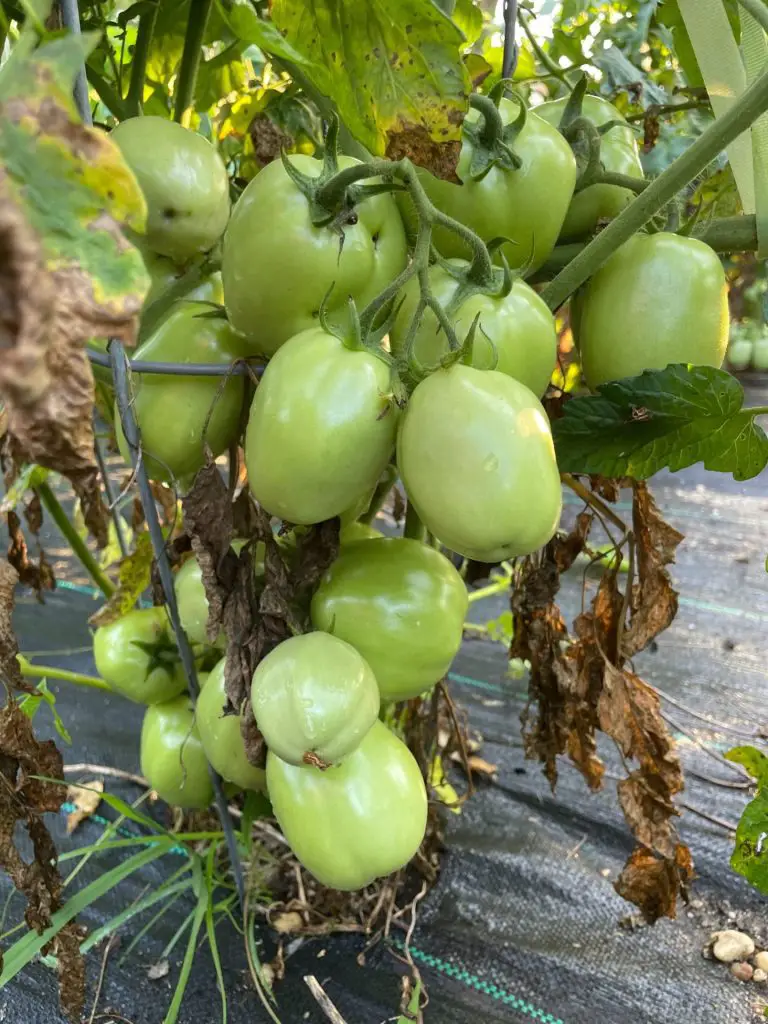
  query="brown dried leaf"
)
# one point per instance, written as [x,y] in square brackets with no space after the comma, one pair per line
[86,799]
[415,142]
[39,577]
[268,140]
[653,604]
[652,883]
[255,747]
[482,767]
[70,969]
[567,549]
[10,673]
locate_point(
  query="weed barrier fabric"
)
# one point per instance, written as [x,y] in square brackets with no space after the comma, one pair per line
[523,924]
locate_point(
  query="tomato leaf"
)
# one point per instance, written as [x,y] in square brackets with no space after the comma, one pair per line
[241,18]
[134,577]
[660,419]
[750,852]
[393,68]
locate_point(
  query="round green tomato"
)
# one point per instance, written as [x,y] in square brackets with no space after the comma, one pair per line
[760,354]
[401,604]
[527,205]
[516,329]
[172,410]
[659,299]
[740,353]
[353,532]
[321,428]
[357,821]
[184,182]
[138,657]
[220,734]
[618,154]
[172,756]
[314,695]
[476,456]
[191,599]
[278,267]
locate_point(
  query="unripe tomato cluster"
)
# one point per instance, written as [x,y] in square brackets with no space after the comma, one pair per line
[332,412]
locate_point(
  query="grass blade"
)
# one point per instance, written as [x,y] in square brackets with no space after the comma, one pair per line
[210,927]
[201,892]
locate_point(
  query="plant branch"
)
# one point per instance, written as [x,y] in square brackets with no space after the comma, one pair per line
[135,98]
[750,105]
[414,528]
[30,671]
[79,547]
[106,92]
[657,109]
[636,185]
[190,58]
[543,56]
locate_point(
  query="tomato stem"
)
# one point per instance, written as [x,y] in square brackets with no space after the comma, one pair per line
[79,547]
[190,59]
[414,528]
[135,98]
[30,671]
[750,105]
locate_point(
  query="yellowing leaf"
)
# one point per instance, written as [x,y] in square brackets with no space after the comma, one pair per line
[133,579]
[441,787]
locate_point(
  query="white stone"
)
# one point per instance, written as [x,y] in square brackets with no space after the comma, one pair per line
[759,974]
[731,945]
[761,960]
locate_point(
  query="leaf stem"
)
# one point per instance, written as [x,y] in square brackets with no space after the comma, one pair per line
[750,105]
[79,547]
[414,528]
[30,671]
[144,33]
[657,109]
[543,56]
[199,11]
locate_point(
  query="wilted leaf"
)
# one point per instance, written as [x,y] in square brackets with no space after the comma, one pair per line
[567,549]
[390,66]
[30,476]
[38,575]
[750,851]
[67,272]
[133,579]
[10,673]
[653,605]
[86,799]
[660,419]
[441,787]
[652,883]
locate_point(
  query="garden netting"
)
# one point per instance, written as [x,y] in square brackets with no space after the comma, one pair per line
[523,924]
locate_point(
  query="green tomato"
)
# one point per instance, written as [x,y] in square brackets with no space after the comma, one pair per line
[138,657]
[401,604]
[164,274]
[659,299]
[354,531]
[476,456]
[618,154]
[278,268]
[191,599]
[321,428]
[517,329]
[357,821]
[184,182]
[740,353]
[171,410]
[527,205]
[220,734]
[314,696]
[760,354]
[172,757]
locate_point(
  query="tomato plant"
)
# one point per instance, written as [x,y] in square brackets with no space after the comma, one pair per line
[137,656]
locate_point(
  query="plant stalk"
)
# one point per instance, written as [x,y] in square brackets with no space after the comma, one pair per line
[30,671]
[135,98]
[79,547]
[199,11]
[414,528]
[750,105]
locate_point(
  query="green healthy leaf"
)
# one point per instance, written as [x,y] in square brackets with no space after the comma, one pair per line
[669,419]
[469,19]
[244,22]
[31,704]
[392,67]
[750,852]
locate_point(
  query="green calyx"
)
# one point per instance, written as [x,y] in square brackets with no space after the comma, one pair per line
[334,195]
[491,139]
[161,654]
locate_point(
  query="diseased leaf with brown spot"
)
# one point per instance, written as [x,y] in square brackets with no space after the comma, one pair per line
[268,139]
[392,67]
[653,604]
[85,798]
[134,575]
[567,549]
[652,883]
[66,271]
[37,576]
[421,149]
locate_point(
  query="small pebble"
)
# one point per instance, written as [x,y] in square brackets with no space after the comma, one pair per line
[742,971]
[696,904]
[759,974]
[761,960]
[731,945]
